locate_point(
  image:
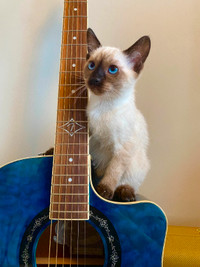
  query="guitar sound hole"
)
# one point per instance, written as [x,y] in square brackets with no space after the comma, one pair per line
[72,243]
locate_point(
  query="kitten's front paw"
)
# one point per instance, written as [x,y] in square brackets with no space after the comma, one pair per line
[124,193]
[104,191]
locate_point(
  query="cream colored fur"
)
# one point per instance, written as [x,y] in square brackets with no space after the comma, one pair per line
[119,137]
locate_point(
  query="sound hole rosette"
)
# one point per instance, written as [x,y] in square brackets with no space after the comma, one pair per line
[105,229]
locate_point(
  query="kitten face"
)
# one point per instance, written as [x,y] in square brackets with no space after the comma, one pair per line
[107,71]
[111,71]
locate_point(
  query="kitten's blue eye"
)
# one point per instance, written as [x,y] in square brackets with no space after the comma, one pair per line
[91,65]
[113,69]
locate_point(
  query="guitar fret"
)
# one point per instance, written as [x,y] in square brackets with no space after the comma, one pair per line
[74,58]
[58,218]
[72,218]
[66,165]
[69,194]
[69,185]
[82,1]
[77,133]
[69,84]
[70,203]
[71,155]
[65,180]
[77,1]
[74,45]
[63,121]
[68,109]
[71,144]
[74,30]
[75,16]
[70,71]
[68,174]
[71,149]
[76,121]
[69,198]
[69,211]
[69,97]
[69,102]
[65,158]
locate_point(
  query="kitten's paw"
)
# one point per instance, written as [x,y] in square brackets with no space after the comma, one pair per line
[124,193]
[49,151]
[104,191]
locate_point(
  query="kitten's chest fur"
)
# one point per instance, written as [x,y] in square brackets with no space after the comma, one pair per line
[111,123]
[115,126]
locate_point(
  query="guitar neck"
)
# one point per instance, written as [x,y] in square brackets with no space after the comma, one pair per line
[69,189]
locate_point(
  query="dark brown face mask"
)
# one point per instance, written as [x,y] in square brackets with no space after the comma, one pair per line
[97,77]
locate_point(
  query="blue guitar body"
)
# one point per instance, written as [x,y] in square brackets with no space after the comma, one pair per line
[132,234]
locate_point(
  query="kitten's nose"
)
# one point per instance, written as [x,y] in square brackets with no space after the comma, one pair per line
[95,81]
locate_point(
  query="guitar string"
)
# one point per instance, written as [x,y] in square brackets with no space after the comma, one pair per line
[85,223]
[80,48]
[69,81]
[50,235]
[82,41]
[60,161]
[86,144]
[76,23]
[77,118]
[81,103]
[59,231]
[75,57]
[72,168]
[81,106]
[53,178]
[74,112]
[67,150]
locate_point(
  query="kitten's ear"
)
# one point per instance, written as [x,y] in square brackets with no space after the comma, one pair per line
[92,41]
[138,53]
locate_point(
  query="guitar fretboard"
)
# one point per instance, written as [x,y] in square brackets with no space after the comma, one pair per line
[69,190]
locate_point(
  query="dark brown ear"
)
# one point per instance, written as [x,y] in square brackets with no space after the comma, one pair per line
[92,41]
[138,53]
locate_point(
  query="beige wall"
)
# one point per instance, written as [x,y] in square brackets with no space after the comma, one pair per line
[168,93]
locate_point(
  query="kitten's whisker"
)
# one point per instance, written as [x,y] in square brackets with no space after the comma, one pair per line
[78,77]
[80,93]
[81,86]
[76,90]
[81,83]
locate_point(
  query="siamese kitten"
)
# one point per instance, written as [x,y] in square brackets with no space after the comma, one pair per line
[119,136]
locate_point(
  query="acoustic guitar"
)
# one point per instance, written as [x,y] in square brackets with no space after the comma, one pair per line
[50,213]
